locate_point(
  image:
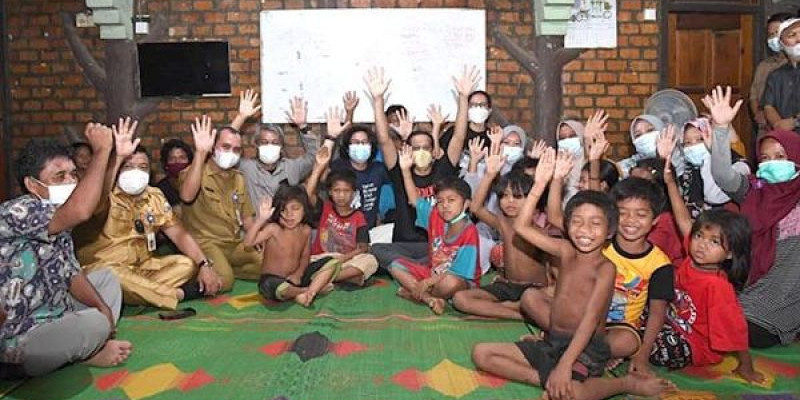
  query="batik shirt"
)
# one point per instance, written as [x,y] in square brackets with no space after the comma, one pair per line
[35,271]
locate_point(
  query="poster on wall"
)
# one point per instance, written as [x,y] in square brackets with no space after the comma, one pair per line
[592,24]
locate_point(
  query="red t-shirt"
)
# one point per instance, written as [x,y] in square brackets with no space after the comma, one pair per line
[707,313]
[665,235]
[338,234]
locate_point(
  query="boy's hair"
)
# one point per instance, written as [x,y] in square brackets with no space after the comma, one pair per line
[33,158]
[173,144]
[344,141]
[640,188]
[341,175]
[597,199]
[488,98]
[519,183]
[524,163]
[283,196]
[143,150]
[735,230]
[455,184]
[655,166]
[395,108]
[77,145]
[608,172]
[418,133]
[780,17]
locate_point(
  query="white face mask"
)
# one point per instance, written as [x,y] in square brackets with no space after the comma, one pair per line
[774,44]
[512,153]
[572,145]
[646,144]
[58,194]
[478,115]
[133,182]
[696,154]
[793,52]
[226,159]
[269,154]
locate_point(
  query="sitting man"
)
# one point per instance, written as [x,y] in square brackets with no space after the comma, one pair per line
[217,208]
[781,101]
[126,227]
[51,313]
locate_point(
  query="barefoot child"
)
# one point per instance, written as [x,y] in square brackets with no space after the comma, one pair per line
[706,320]
[343,231]
[453,242]
[569,361]
[283,231]
[521,270]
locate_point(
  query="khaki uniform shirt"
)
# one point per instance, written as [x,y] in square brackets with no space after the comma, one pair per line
[221,205]
[118,240]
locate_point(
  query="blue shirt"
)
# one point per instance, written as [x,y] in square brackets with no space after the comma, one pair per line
[369,183]
[36,269]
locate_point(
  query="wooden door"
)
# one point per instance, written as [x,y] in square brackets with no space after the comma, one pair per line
[706,50]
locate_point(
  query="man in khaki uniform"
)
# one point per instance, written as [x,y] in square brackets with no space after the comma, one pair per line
[125,229]
[217,208]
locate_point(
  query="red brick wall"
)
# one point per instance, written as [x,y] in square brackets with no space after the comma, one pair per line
[49,91]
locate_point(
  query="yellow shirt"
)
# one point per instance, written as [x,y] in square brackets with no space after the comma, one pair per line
[118,241]
[220,207]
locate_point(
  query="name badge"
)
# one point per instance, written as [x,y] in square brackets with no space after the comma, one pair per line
[151,241]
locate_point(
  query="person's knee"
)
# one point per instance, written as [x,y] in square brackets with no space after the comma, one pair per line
[462,300]
[481,354]
[623,343]
[449,286]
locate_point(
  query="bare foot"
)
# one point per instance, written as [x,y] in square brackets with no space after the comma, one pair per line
[113,353]
[327,288]
[437,305]
[639,386]
[402,292]
[305,299]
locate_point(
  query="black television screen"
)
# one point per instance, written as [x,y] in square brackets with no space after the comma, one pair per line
[184,69]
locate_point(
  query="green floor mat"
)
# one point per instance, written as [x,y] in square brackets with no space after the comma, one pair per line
[362,344]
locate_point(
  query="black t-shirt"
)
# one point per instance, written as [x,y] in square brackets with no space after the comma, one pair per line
[405,229]
[172,195]
[368,183]
[447,136]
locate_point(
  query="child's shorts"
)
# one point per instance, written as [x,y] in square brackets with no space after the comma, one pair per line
[366,263]
[507,291]
[671,349]
[544,355]
[273,287]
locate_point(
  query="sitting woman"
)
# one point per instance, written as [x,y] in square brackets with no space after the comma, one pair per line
[176,155]
[771,204]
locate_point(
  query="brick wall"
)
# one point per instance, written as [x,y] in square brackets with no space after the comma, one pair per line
[50,93]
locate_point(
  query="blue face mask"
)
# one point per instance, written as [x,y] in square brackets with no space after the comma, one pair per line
[696,154]
[777,171]
[359,152]
[572,145]
[646,144]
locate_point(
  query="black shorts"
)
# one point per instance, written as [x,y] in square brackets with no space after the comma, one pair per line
[544,355]
[671,349]
[507,291]
[272,286]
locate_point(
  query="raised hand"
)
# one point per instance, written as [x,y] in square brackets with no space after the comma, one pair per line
[334,117]
[718,104]
[124,143]
[563,166]
[668,176]
[405,157]
[435,115]
[597,123]
[495,134]
[546,167]
[265,208]
[537,149]
[494,163]
[376,82]
[665,142]
[323,156]
[203,134]
[248,103]
[406,124]
[298,111]
[468,81]
[599,146]
[350,101]
[100,137]
[476,150]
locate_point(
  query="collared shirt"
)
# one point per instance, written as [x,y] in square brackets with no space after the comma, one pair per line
[783,91]
[262,183]
[764,68]
[118,240]
[221,205]
[36,270]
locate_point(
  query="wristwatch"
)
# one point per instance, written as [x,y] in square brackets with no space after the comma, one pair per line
[206,262]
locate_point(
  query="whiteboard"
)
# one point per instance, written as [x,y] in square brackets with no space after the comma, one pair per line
[321,54]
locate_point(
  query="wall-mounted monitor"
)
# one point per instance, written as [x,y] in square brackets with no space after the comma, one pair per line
[184,69]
